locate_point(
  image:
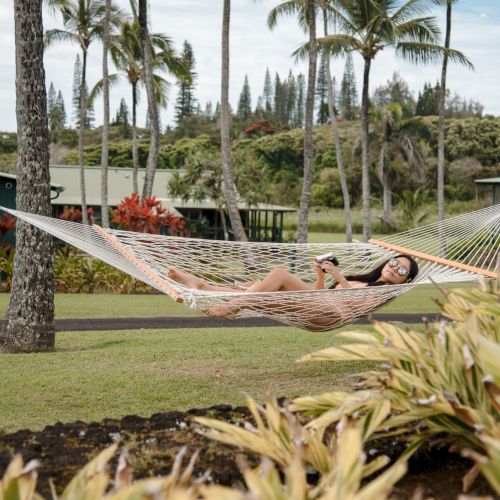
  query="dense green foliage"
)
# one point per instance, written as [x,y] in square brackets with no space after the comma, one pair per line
[274,162]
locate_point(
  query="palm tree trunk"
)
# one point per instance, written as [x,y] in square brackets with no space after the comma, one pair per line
[135,157]
[154,144]
[308,127]
[365,179]
[227,170]
[385,178]
[29,321]
[223,222]
[336,137]
[441,126]
[81,162]
[105,123]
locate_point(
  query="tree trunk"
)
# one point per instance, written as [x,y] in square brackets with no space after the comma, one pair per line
[29,321]
[135,156]
[227,170]
[308,127]
[152,104]
[83,117]
[441,126]
[384,172]
[365,179]
[336,137]
[223,222]
[105,122]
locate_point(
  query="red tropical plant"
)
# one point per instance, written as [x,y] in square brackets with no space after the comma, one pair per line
[75,214]
[263,126]
[146,215]
[7,222]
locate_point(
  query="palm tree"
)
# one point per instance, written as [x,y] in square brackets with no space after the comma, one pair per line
[306,11]
[125,49]
[105,122]
[441,125]
[336,138]
[227,171]
[147,58]
[371,26]
[398,142]
[83,23]
[201,178]
[29,321]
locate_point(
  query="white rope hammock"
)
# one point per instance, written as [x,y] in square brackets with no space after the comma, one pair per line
[461,248]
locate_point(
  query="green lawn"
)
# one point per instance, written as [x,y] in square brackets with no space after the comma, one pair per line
[335,237]
[109,305]
[93,375]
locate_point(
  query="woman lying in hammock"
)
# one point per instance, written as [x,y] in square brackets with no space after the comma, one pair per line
[395,271]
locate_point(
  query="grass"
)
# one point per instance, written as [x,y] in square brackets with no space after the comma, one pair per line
[335,237]
[109,305]
[94,375]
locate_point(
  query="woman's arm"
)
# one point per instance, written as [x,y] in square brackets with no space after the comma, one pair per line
[320,276]
[337,275]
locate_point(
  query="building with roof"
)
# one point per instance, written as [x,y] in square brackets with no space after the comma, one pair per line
[263,222]
[494,182]
[8,187]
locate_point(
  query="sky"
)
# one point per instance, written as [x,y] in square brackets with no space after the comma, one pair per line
[253,48]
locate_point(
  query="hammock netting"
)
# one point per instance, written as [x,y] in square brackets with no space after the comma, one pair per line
[462,248]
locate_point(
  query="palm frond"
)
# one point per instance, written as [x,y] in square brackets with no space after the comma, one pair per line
[97,88]
[58,35]
[55,5]
[410,9]
[161,89]
[425,53]
[330,46]
[338,18]
[288,8]
[422,29]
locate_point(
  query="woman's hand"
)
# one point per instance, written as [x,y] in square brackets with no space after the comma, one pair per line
[317,266]
[329,268]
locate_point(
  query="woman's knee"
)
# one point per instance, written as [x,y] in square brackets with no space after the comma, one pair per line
[279,271]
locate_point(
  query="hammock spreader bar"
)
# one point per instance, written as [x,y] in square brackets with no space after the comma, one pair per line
[432,258]
[165,287]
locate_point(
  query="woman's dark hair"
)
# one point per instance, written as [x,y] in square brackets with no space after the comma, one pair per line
[373,276]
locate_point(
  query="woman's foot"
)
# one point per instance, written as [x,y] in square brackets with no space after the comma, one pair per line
[185,279]
[228,312]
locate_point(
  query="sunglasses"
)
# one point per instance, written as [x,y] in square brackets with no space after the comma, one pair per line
[401,270]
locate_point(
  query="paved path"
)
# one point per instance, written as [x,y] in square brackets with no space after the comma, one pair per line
[204,322]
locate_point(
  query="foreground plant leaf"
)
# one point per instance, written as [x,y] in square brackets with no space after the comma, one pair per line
[441,382]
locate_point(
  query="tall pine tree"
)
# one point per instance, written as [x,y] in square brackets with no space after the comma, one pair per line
[244,111]
[51,107]
[267,95]
[348,98]
[428,100]
[77,78]
[61,110]
[300,105]
[122,119]
[291,98]
[186,102]
[56,112]
[322,93]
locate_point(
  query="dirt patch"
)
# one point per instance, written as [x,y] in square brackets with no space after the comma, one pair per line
[153,443]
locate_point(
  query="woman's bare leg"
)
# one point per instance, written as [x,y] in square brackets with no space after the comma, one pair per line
[280,280]
[192,281]
[277,280]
